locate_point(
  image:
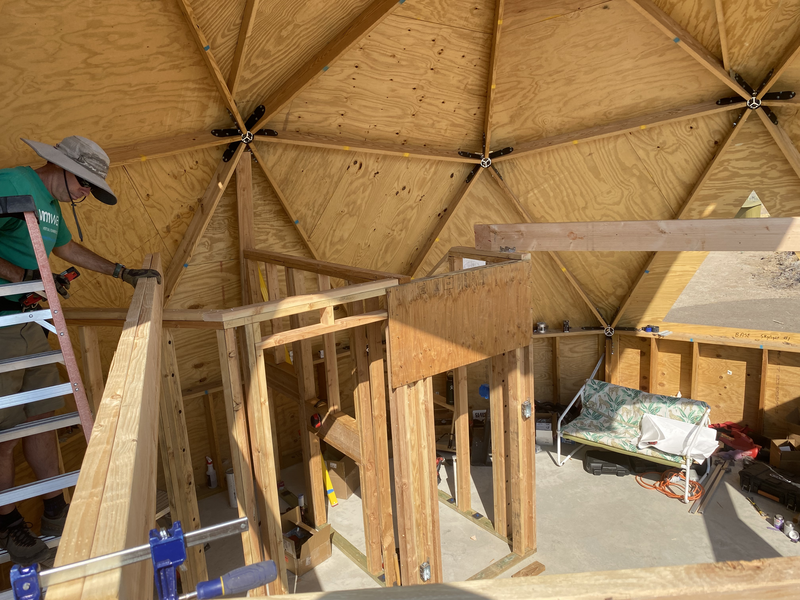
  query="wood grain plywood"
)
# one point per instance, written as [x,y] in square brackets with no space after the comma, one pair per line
[114,73]
[452,320]
[759,31]
[577,358]
[783,391]
[170,188]
[285,35]
[543,389]
[606,277]
[676,154]
[380,208]
[674,368]
[220,22]
[634,362]
[410,82]
[523,13]
[603,180]
[754,162]
[475,15]
[729,380]
[548,71]
[699,18]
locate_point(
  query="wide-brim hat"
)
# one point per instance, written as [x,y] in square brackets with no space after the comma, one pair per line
[83,158]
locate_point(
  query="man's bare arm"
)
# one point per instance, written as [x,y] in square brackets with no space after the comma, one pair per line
[10,272]
[74,253]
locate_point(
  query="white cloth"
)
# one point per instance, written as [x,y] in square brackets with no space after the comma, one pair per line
[675,437]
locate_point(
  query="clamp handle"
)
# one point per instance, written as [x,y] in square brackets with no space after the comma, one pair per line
[239,580]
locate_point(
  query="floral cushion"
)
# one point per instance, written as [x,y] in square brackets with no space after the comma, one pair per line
[612,416]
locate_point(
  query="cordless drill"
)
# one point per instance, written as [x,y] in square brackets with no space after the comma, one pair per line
[32,299]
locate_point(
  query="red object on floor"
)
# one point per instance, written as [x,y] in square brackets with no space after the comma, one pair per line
[738,438]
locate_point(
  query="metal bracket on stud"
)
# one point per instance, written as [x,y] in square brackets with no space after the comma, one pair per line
[425,571]
[486,162]
[609,331]
[527,409]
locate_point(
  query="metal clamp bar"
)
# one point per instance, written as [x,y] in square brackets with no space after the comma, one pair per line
[100,564]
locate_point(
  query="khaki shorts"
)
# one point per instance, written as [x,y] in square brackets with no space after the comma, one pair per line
[17,341]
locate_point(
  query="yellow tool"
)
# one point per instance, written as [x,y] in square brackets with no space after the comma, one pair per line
[328,485]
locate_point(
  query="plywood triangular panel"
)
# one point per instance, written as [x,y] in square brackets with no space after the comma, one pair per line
[408,82]
[588,68]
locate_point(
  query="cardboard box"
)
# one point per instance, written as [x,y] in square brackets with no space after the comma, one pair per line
[785,453]
[343,471]
[305,550]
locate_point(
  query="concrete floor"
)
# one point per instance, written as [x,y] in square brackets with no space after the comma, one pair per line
[584,523]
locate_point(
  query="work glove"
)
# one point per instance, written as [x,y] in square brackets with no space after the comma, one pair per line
[30,275]
[132,276]
[62,284]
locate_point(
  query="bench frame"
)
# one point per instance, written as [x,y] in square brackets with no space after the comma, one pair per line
[687,460]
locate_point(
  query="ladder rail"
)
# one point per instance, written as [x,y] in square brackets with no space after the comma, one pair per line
[70,362]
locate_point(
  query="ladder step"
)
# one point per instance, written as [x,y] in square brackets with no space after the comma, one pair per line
[23,287]
[37,488]
[32,316]
[52,542]
[40,426]
[35,395]
[30,361]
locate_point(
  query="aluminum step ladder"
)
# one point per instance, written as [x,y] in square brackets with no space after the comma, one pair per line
[52,319]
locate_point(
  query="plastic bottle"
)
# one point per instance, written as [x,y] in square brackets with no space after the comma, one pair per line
[211,474]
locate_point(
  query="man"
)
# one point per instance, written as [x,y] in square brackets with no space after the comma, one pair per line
[75,168]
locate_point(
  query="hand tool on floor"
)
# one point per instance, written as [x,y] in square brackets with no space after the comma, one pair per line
[328,484]
[167,550]
[761,512]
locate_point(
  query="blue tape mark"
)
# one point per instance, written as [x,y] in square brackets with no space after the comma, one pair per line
[296,221]
[646,271]
[185,265]
[691,339]
[676,40]
[401,1]
[207,48]
[325,68]
[761,347]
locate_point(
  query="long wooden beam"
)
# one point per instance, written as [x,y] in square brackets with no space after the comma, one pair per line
[164,146]
[598,132]
[783,141]
[285,204]
[556,258]
[208,57]
[114,502]
[314,140]
[773,578]
[340,431]
[320,329]
[701,235]
[686,41]
[492,78]
[357,29]
[443,218]
[294,305]
[723,34]
[176,456]
[354,274]
[202,217]
[245,29]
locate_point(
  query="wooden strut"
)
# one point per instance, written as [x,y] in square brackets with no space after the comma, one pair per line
[114,503]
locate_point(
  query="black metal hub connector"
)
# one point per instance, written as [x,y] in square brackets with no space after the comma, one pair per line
[486,159]
[754,102]
[244,138]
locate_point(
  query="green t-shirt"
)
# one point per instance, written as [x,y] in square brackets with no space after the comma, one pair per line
[15,243]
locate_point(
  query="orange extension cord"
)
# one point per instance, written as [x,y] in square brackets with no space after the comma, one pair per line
[665,484]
